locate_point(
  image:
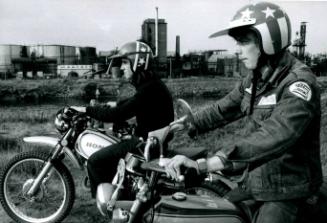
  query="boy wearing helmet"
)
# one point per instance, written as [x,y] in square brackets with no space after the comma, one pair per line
[280,100]
[152,105]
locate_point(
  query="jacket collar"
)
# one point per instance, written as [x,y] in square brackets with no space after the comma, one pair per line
[276,68]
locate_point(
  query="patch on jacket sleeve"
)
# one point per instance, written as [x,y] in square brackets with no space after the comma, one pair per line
[301,90]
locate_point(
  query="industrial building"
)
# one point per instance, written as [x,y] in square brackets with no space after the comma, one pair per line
[299,43]
[42,60]
[222,63]
[212,62]
[7,53]
[61,60]
[149,36]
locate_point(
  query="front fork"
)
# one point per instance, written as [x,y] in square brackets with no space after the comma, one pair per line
[47,170]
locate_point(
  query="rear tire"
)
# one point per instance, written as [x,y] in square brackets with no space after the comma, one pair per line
[53,200]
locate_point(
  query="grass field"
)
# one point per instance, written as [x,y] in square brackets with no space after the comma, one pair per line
[17,122]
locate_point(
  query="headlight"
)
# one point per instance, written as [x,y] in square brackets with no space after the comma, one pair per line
[61,125]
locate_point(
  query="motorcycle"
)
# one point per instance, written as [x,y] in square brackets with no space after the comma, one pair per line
[36,186]
[190,200]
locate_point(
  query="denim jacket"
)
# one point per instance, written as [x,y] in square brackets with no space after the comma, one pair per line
[280,142]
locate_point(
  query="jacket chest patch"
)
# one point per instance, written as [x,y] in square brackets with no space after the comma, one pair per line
[268,100]
[301,89]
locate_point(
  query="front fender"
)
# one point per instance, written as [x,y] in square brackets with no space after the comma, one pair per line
[42,140]
[52,141]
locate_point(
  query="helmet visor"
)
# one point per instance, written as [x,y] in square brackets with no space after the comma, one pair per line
[233,25]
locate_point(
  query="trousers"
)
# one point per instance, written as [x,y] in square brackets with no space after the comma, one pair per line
[102,165]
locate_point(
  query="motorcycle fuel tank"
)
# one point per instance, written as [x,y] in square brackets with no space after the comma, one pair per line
[91,141]
[194,209]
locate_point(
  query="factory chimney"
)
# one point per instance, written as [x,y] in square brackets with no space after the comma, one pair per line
[178,50]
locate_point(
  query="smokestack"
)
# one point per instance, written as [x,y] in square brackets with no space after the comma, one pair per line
[177,46]
[156,33]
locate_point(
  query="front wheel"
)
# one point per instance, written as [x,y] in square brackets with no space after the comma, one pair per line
[51,202]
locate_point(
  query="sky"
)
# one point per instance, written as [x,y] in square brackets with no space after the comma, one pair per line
[107,24]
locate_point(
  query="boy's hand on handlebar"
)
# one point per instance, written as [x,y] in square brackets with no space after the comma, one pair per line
[173,166]
[78,108]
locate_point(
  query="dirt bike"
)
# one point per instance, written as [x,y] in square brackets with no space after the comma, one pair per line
[194,201]
[36,186]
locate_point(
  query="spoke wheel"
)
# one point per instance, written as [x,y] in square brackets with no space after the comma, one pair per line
[51,202]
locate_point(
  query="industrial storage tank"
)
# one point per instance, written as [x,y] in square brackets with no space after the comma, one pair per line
[7,53]
[69,55]
[35,51]
[87,55]
[63,54]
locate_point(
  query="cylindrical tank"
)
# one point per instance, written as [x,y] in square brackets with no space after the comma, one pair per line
[53,52]
[63,54]
[7,53]
[69,55]
[35,51]
[87,55]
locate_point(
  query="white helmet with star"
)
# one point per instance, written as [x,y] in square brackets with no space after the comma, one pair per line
[268,20]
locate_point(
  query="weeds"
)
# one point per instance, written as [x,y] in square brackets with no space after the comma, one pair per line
[23,114]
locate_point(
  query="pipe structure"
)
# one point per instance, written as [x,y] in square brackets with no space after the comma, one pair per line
[156,33]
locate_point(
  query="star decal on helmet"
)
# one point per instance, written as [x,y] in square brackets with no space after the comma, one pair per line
[269,12]
[141,61]
[246,14]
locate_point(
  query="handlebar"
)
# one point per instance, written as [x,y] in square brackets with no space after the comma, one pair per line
[68,113]
[189,175]
[159,136]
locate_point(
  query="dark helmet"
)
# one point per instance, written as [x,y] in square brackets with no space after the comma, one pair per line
[139,54]
[268,21]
